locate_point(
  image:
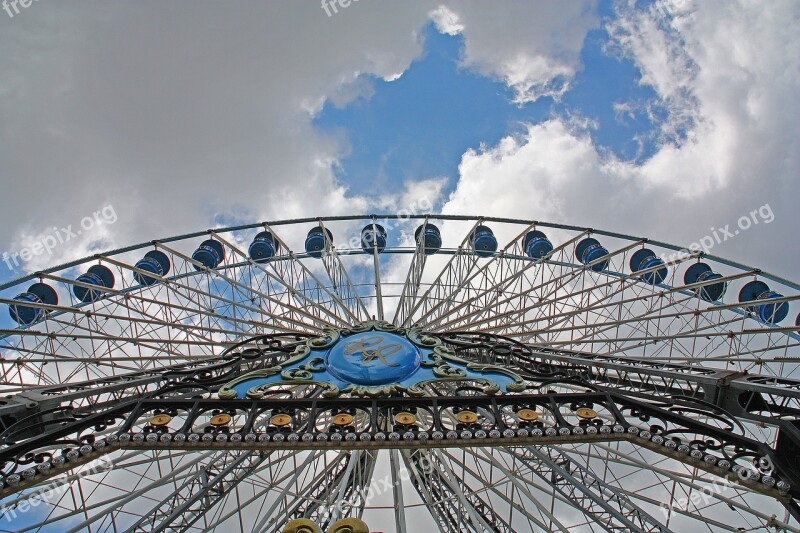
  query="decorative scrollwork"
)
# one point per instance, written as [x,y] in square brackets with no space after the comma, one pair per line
[228,393]
[372,325]
[311,366]
[296,374]
[440,360]
[329,390]
[374,391]
[273,422]
[509,355]
[426,341]
[489,387]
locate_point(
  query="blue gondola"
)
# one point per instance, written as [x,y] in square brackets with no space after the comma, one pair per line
[771,313]
[432,238]
[263,247]
[154,261]
[751,292]
[373,238]
[96,275]
[315,241]
[483,241]
[700,272]
[210,254]
[38,293]
[589,250]
[536,244]
[644,259]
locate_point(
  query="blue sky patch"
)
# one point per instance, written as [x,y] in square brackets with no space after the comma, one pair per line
[420,125]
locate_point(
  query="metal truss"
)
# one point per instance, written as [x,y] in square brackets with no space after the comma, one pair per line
[411,287]
[445,286]
[761,398]
[683,394]
[455,507]
[675,432]
[586,491]
[201,492]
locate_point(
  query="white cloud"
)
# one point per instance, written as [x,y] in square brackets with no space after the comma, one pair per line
[740,154]
[446,21]
[526,176]
[652,38]
[534,47]
[179,117]
[178,129]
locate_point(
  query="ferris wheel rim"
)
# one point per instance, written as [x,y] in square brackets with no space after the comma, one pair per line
[432,216]
[464,499]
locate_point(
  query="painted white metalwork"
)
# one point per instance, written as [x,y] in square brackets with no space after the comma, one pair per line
[555,303]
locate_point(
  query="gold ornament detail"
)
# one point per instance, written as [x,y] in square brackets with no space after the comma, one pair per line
[349,525]
[280,419]
[222,419]
[301,525]
[160,420]
[467,417]
[343,419]
[405,418]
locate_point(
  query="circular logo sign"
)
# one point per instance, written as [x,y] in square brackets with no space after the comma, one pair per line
[373,358]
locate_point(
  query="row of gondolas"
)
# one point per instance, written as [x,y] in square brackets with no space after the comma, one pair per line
[155,265]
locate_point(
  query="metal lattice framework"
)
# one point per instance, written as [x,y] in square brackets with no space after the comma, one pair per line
[648,406]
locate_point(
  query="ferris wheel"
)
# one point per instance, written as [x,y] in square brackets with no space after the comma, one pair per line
[395,373]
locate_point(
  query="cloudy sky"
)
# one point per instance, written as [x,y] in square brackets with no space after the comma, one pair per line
[670,119]
[664,119]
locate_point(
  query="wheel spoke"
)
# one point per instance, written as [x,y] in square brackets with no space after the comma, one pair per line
[684,381]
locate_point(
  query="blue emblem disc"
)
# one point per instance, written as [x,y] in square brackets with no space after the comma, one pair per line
[373,358]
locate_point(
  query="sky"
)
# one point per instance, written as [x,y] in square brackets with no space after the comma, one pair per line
[668,119]
[665,119]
